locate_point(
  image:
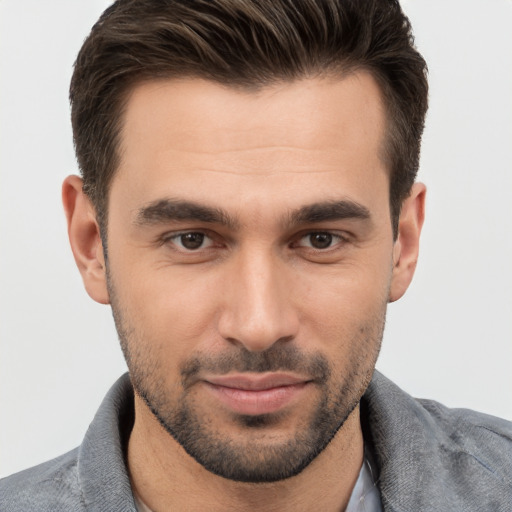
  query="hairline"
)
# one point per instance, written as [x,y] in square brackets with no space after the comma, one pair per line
[336,73]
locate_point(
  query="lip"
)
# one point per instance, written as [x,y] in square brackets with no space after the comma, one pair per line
[254,394]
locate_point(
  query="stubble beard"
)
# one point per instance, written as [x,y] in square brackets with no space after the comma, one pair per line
[255,459]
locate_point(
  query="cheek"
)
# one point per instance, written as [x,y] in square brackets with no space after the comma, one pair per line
[344,308]
[341,292]
[170,308]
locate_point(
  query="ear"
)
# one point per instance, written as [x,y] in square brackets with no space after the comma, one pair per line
[406,248]
[85,239]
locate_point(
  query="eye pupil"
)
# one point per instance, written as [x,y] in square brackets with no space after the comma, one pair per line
[192,240]
[321,240]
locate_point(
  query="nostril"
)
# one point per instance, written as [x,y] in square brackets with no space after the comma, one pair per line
[259,344]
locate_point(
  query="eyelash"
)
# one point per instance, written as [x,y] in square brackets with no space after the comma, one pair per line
[337,239]
[172,238]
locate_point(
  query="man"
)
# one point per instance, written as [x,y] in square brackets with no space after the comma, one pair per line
[248,208]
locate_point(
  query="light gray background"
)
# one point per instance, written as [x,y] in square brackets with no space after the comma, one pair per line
[449,338]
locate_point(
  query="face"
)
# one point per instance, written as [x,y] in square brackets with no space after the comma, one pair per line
[250,261]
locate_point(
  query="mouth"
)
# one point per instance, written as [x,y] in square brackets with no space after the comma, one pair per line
[255,394]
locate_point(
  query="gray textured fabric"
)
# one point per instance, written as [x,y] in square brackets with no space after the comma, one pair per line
[90,478]
[429,459]
[435,459]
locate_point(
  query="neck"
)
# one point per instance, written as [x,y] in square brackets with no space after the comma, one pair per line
[160,470]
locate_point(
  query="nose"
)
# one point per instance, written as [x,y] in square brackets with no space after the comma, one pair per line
[258,306]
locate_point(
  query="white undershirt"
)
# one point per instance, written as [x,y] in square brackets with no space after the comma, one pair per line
[365,495]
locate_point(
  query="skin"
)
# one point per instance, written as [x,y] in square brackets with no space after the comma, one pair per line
[257,284]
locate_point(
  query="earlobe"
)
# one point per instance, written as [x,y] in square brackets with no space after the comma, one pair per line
[406,248]
[85,239]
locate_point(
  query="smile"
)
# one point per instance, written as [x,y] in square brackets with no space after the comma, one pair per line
[257,394]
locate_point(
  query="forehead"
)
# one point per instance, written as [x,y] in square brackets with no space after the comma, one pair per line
[197,137]
[192,109]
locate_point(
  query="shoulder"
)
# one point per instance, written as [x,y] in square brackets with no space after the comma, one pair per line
[51,486]
[486,438]
[91,477]
[463,429]
[431,457]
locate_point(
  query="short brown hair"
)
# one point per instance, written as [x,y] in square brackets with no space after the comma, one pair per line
[244,43]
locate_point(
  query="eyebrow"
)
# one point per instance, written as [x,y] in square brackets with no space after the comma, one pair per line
[168,210]
[329,211]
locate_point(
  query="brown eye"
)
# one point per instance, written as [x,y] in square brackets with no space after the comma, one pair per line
[191,241]
[320,240]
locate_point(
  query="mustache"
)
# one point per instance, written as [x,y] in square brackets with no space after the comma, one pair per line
[277,358]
